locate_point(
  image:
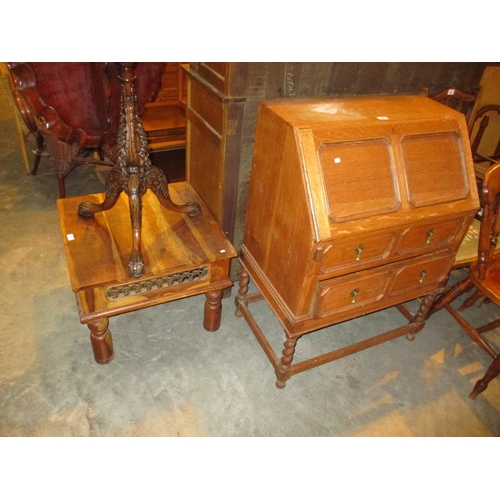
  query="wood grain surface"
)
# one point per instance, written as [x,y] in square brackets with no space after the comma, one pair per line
[98,249]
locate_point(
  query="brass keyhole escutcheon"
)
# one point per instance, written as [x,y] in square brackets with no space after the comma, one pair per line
[354,295]
[429,234]
[422,275]
[358,251]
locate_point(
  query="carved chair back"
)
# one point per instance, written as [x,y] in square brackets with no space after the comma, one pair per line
[488,236]
[485,138]
[76,107]
[465,102]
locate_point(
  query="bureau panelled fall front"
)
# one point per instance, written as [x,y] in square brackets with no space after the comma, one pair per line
[355,205]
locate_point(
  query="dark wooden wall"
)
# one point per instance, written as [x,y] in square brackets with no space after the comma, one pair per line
[382,78]
[322,79]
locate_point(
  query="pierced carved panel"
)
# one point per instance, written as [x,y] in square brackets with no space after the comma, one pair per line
[144,286]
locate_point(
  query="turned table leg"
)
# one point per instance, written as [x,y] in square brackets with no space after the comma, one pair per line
[213,310]
[102,342]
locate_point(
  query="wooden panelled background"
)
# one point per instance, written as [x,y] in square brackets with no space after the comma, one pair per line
[276,80]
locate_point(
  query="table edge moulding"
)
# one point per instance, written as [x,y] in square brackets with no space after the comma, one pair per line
[349,213]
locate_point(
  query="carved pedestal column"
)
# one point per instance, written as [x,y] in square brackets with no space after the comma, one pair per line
[134,172]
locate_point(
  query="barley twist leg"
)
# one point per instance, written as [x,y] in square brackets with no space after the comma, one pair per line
[242,292]
[284,369]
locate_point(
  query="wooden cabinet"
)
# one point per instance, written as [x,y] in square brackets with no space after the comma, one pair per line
[214,138]
[355,205]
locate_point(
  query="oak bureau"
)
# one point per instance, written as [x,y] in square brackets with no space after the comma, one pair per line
[355,205]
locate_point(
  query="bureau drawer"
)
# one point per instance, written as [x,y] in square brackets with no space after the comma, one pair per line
[381,287]
[421,272]
[364,250]
[354,291]
[357,253]
[430,236]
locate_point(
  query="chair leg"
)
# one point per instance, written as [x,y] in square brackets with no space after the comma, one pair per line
[448,297]
[469,302]
[492,372]
[471,332]
[63,157]
[62,187]
[40,146]
[490,326]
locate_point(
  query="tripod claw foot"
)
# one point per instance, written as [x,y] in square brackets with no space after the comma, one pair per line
[135,267]
[193,209]
[87,209]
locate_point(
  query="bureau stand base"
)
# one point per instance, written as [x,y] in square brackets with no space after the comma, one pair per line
[283,366]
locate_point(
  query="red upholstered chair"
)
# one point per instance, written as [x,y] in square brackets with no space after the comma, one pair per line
[74,108]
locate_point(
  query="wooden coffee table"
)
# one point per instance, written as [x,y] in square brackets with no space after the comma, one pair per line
[183,256]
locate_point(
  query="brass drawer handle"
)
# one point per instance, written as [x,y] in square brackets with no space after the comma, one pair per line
[358,251]
[429,234]
[354,295]
[422,275]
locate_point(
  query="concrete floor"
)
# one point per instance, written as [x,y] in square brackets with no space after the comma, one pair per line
[172,378]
